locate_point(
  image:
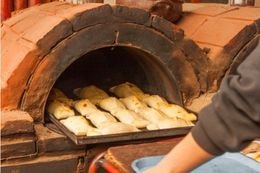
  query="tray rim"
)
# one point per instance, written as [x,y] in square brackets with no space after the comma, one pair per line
[144,134]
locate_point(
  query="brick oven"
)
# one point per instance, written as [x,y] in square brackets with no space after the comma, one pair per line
[68,46]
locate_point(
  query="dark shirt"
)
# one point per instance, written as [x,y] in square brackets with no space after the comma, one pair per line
[232,120]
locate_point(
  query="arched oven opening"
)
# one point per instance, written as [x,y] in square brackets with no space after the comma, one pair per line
[110,66]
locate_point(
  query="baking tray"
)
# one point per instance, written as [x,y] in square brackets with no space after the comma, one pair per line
[144,134]
[226,163]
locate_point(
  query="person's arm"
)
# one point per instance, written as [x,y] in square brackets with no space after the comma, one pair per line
[182,158]
[230,123]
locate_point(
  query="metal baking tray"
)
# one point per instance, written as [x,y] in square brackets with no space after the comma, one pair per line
[144,134]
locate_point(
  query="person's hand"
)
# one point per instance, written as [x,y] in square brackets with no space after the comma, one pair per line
[183,158]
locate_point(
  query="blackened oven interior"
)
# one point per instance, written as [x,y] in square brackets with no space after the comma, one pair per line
[111,66]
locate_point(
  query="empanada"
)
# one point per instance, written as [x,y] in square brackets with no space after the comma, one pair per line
[93,93]
[133,103]
[154,101]
[85,107]
[174,111]
[130,117]
[127,89]
[99,118]
[111,104]
[171,110]
[57,94]
[59,110]
[151,115]
[173,123]
[117,127]
[77,124]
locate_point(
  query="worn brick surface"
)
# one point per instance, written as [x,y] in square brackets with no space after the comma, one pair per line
[53,163]
[198,60]
[213,50]
[246,13]
[19,16]
[54,7]
[87,14]
[222,29]
[134,15]
[47,32]
[257,23]
[19,34]
[50,141]
[13,122]
[214,10]
[50,29]
[15,67]
[218,31]
[17,146]
[171,31]
[191,22]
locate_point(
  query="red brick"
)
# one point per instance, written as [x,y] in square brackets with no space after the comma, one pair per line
[49,141]
[17,146]
[15,67]
[245,13]
[54,7]
[47,32]
[213,10]
[87,14]
[191,22]
[28,21]
[19,16]
[13,122]
[219,31]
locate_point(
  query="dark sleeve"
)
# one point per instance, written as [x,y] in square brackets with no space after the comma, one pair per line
[232,120]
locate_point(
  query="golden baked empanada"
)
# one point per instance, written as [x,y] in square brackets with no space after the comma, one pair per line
[84,107]
[130,117]
[93,93]
[99,118]
[117,127]
[57,94]
[111,104]
[133,103]
[171,110]
[59,110]
[77,124]
[126,89]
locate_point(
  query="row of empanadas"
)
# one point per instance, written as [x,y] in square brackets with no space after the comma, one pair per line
[131,110]
[96,116]
[80,127]
[117,109]
[171,110]
[156,118]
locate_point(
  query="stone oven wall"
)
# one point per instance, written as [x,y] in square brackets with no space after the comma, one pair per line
[39,43]
[48,38]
